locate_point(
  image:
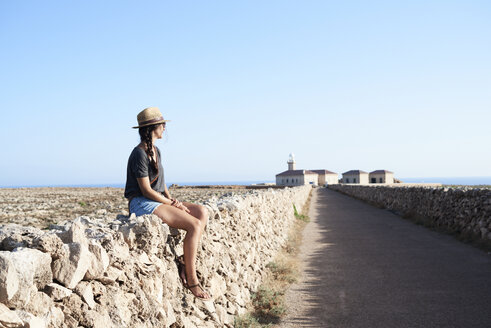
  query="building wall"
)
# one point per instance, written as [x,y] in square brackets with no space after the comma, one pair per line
[381,178]
[348,178]
[376,178]
[310,179]
[331,179]
[297,180]
[327,179]
[360,178]
[292,180]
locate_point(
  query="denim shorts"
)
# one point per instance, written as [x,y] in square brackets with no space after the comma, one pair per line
[141,205]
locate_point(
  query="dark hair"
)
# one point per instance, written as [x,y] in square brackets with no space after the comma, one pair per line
[146,137]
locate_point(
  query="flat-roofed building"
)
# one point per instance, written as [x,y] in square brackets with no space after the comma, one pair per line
[326,177]
[381,176]
[296,178]
[355,176]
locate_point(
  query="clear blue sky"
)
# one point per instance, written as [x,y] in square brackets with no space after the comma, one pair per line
[397,85]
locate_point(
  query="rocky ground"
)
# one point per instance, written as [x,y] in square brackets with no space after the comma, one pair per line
[40,207]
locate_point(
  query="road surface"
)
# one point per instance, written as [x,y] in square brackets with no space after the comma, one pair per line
[366,267]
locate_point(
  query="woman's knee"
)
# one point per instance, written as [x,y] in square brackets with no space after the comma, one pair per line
[195,225]
[204,214]
[200,212]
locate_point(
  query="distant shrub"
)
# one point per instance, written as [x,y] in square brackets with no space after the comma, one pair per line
[268,304]
[282,271]
[299,216]
[247,321]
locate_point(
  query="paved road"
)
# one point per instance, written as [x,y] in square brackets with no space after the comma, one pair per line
[366,267]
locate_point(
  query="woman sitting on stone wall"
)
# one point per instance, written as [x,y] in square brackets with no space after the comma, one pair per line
[147,193]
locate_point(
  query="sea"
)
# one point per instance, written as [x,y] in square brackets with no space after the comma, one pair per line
[467,181]
[121,185]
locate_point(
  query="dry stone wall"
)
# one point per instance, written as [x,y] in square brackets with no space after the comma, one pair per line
[122,273]
[463,211]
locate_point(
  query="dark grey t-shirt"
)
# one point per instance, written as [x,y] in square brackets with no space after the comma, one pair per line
[139,167]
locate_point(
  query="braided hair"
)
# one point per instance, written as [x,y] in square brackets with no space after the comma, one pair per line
[146,138]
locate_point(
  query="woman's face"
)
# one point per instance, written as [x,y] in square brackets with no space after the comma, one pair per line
[159,130]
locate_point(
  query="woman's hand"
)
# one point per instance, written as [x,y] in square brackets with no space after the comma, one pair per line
[176,203]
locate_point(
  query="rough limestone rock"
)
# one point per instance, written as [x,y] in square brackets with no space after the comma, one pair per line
[13,236]
[9,282]
[111,275]
[39,303]
[57,292]
[70,269]
[33,265]
[145,232]
[84,290]
[99,261]
[55,317]
[25,269]
[31,321]
[75,233]
[121,272]
[50,243]
[9,318]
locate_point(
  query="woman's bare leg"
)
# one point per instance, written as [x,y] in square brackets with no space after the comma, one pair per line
[179,219]
[200,212]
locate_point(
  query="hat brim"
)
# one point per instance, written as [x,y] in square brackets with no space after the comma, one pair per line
[148,124]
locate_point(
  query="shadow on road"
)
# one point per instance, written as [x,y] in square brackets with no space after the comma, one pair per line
[367,267]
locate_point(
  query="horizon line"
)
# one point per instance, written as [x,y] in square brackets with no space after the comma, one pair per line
[190,183]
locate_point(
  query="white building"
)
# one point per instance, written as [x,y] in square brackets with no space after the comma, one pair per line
[326,177]
[381,176]
[355,176]
[294,177]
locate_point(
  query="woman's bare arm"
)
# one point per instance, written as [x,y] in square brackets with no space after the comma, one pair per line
[149,193]
[166,192]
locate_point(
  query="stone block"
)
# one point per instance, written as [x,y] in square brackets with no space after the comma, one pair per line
[39,304]
[49,243]
[99,261]
[84,290]
[111,275]
[22,270]
[9,318]
[9,282]
[57,292]
[76,232]
[31,321]
[70,270]
[55,317]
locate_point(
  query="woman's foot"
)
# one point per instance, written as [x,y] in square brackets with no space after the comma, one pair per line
[198,291]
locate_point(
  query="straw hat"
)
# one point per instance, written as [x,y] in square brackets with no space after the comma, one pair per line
[149,116]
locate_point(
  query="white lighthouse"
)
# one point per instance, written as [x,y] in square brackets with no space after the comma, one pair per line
[291,162]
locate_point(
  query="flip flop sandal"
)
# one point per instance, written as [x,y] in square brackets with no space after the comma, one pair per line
[202,289]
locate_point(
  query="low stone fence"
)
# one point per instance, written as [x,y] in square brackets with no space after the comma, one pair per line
[122,273]
[465,212]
